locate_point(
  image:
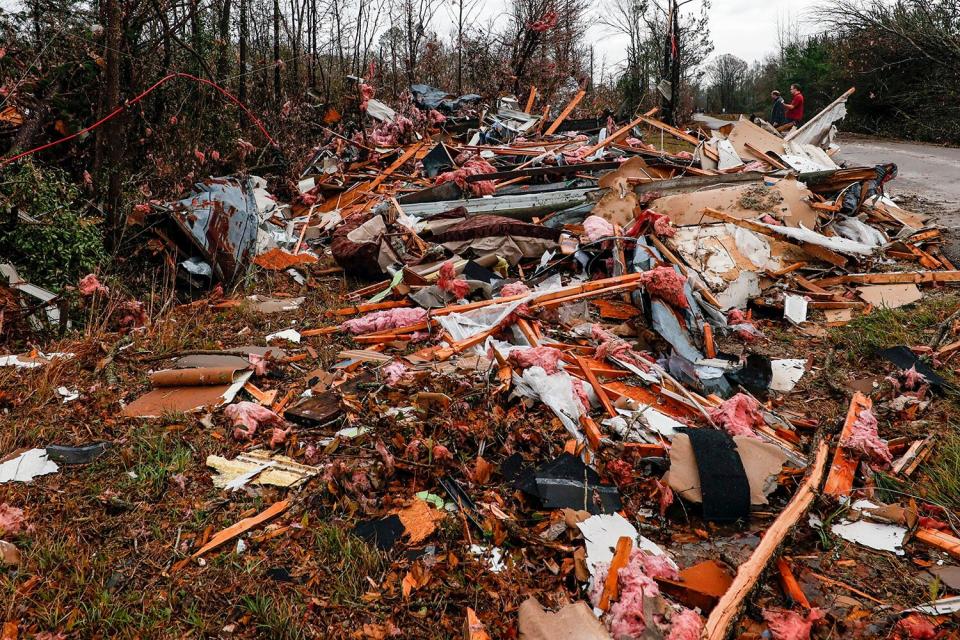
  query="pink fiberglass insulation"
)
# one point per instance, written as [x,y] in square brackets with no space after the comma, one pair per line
[544,357]
[613,347]
[657,566]
[666,497]
[686,625]
[394,372]
[385,320]
[739,415]
[581,392]
[11,520]
[450,283]
[250,415]
[626,615]
[790,625]
[392,134]
[279,436]
[89,285]
[366,92]
[597,228]
[912,379]
[865,439]
[472,167]
[514,289]
[546,22]
[578,155]
[436,118]
[665,283]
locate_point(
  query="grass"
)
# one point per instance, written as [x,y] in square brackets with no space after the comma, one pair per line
[275,616]
[912,325]
[157,457]
[349,560]
[941,471]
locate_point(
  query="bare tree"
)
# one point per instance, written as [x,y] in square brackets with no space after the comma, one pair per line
[728,73]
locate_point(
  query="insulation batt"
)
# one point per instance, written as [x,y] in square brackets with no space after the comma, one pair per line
[790,625]
[864,439]
[636,581]
[665,283]
[686,625]
[394,372]
[279,436]
[544,357]
[11,519]
[472,167]
[366,92]
[385,320]
[449,282]
[89,285]
[514,289]
[738,415]
[250,415]
[596,228]
[581,393]
[613,347]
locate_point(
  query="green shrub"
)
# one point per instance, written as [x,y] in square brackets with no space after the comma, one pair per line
[63,245]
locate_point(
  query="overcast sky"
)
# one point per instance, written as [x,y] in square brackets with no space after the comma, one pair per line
[745,28]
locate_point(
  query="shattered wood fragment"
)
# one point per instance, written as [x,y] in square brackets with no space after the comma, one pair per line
[939,540]
[727,610]
[842,469]
[566,112]
[621,557]
[601,393]
[790,585]
[233,531]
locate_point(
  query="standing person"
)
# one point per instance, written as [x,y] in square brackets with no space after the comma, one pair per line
[778,115]
[795,108]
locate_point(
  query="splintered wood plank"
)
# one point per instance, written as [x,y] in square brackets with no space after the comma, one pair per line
[728,609]
[842,469]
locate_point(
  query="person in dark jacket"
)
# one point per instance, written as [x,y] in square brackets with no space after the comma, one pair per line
[778,115]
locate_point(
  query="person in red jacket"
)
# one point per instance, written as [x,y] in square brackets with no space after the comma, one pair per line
[795,108]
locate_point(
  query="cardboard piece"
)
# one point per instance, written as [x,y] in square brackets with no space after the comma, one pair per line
[761,461]
[687,208]
[573,622]
[188,390]
[890,296]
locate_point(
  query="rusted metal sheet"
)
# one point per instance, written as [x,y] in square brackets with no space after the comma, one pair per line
[221,220]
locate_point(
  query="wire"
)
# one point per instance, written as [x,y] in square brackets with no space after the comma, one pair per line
[144,94]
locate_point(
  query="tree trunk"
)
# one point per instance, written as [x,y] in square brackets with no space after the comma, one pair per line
[277,79]
[244,35]
[223,62]
[110,139]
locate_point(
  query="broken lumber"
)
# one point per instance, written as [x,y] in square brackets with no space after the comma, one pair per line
[621,557]
[226,535]
[894,277]
[842,469]
[566,112]
[727,610]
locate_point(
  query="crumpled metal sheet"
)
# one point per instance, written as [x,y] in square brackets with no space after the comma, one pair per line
[427,97]
[221,219]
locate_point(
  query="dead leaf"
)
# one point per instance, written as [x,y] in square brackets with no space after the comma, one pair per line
[482,470]
[417,577]
[419,520]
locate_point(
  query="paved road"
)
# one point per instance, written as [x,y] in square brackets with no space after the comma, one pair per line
[928,171]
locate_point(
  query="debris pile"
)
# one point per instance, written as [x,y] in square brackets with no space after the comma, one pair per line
[554,337]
